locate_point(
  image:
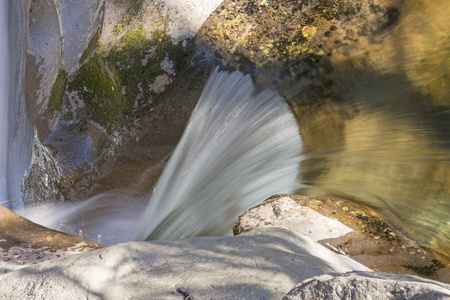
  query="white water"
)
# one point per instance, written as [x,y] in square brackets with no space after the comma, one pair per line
[108,218]
[4,97]
[240,147]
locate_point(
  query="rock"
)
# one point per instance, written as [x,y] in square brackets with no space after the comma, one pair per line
[263,264]
[186,17]
[364,235]
[369,285]
[42,183]
[24,243]
[286,213]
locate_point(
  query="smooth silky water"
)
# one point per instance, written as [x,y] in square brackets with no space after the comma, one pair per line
[240,147]
[4,96]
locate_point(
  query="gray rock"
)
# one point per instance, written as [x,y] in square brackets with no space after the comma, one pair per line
[369,285]
[43,182]
[80,21]
[263,264]
[286,213]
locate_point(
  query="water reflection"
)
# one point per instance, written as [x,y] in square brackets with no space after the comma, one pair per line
[382,137]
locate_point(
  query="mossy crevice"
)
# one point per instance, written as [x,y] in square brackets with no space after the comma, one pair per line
[92,46]
[57,93]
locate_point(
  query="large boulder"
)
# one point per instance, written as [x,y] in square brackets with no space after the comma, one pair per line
[369,285]
[263,264]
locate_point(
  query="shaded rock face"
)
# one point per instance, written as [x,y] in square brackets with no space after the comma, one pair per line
[369,285]
[58,33]
[111,73]
[42,183]
[259,265]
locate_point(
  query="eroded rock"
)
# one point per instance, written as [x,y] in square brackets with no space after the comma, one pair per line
[263,264]
[367,238]
[24,243]
[369,285]
[286,213]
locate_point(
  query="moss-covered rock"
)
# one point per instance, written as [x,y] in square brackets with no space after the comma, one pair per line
[59,87]
[98,85]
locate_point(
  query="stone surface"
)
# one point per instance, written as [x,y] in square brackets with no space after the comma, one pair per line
[24,243]
[286,213]
[369,239]
[263,264]
[369,285]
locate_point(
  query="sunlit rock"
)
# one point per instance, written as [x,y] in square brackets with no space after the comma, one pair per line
[263,264]
[373,285]
[350,229]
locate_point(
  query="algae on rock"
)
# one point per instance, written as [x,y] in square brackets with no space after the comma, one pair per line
[59,87]
[97,85]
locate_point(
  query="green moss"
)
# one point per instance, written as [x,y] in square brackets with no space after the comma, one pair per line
[92,46]
[112,83]
[57,93]
[138,59]
[97,84]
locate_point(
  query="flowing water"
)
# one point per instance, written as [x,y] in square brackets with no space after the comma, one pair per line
[16,130]
[385,141]
[107,219]
[4,96]
[240,147]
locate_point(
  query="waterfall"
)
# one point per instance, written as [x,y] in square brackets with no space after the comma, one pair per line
[4,96]
[16,130]
[240,146]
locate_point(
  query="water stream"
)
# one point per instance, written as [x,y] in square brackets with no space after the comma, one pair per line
[4,97]
[239,147]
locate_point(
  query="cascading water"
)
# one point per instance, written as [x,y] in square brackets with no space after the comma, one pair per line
[20,127]
[240,147]
[4,96]
[16,130]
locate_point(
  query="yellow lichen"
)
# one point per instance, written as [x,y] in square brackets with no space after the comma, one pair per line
[309,31]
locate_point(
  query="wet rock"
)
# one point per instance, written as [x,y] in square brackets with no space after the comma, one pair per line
[263,264]
[369,285]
